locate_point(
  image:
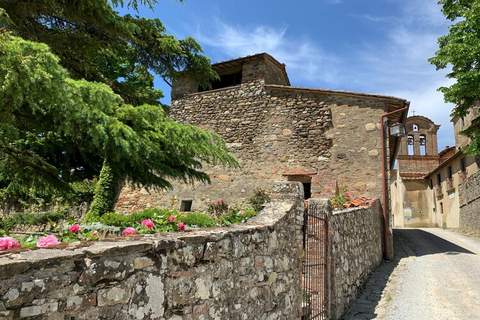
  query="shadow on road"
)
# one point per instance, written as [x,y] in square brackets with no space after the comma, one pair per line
[407,243]
[421,243]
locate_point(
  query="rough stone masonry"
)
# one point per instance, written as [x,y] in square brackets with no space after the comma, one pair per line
[279,132]
[248,271]
[469,193]
[354,251]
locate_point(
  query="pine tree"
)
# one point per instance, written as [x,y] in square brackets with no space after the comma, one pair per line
[42,106]
[130,138]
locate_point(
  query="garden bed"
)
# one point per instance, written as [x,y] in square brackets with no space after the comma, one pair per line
[20,232]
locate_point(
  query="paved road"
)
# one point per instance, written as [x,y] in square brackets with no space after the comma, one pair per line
[435,276]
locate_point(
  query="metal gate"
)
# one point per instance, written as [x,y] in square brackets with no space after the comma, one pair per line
[315,267]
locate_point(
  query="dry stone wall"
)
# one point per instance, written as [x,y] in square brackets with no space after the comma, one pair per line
[469,193]
[249,271]
[354,250]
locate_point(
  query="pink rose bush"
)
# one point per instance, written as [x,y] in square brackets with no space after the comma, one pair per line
[128,232]
[181,226]
[47,241]
[75,228]
[148,223]
[171,219]
[9,243]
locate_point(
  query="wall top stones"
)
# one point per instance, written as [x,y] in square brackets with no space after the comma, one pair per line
[15,263]
[248,271]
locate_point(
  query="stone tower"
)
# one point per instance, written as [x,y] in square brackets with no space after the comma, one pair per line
[418,153]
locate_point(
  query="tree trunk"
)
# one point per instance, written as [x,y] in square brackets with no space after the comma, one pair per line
[106,192]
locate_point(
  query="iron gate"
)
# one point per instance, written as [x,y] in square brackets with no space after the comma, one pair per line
[315,245]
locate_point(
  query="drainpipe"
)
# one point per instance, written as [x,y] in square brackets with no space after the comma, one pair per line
[387,251]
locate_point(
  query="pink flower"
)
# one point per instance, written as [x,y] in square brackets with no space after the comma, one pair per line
[47,241]
[181,226]
[171,219]
[127,232]
[148,223]
[8,243]
[74,228]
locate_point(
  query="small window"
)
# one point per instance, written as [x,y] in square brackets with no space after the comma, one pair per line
[307,190]
[431,183]
[423,145]
[441,207]
[439,178]
[450,172]
[410,146]
[463,165]
[228,80]
[415,128]
[186,205]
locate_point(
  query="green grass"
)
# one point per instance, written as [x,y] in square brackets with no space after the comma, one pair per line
[198,219]
[30,219]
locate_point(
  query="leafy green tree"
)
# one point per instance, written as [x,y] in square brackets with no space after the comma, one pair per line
[42,108]
[460,50]
[94,43]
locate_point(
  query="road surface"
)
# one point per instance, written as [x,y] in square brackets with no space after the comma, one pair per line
[435,276]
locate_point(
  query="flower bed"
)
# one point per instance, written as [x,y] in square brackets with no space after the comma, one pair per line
[112,225]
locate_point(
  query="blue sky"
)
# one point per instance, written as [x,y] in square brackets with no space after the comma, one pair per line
[373,46]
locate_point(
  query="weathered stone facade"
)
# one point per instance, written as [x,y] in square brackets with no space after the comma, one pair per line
[317,137]
[470,204]
[427,189]
[354,250]
[418,156]
[249,271]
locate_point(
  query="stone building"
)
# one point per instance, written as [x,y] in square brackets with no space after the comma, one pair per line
[426,191]
[279,132]
[418,155]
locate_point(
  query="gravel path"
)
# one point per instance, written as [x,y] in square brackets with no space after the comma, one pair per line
[435,275]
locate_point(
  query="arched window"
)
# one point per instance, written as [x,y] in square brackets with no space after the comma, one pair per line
[415,127]
[410,146]
[423,145]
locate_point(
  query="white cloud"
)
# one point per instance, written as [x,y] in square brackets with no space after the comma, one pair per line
[396,66]
[303,58]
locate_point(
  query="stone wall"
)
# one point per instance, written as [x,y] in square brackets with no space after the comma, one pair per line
[280,133]
[469,193]
[354,248]
[248,271]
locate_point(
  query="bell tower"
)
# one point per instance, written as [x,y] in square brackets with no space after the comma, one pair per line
[418,153]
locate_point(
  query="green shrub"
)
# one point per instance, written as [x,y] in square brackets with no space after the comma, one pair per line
[217,207]
[31,219]
[340,198]
[198,219]
[259,199]
[236,216]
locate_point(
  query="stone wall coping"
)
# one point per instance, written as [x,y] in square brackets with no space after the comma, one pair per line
[334,92]
[15,263]
[355,209]
[297,90]
[213,91]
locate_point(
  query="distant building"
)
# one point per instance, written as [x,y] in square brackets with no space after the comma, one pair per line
[278,132]
[426,189]
[418,155]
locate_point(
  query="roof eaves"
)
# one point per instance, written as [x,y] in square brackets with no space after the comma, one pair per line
[444,163]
